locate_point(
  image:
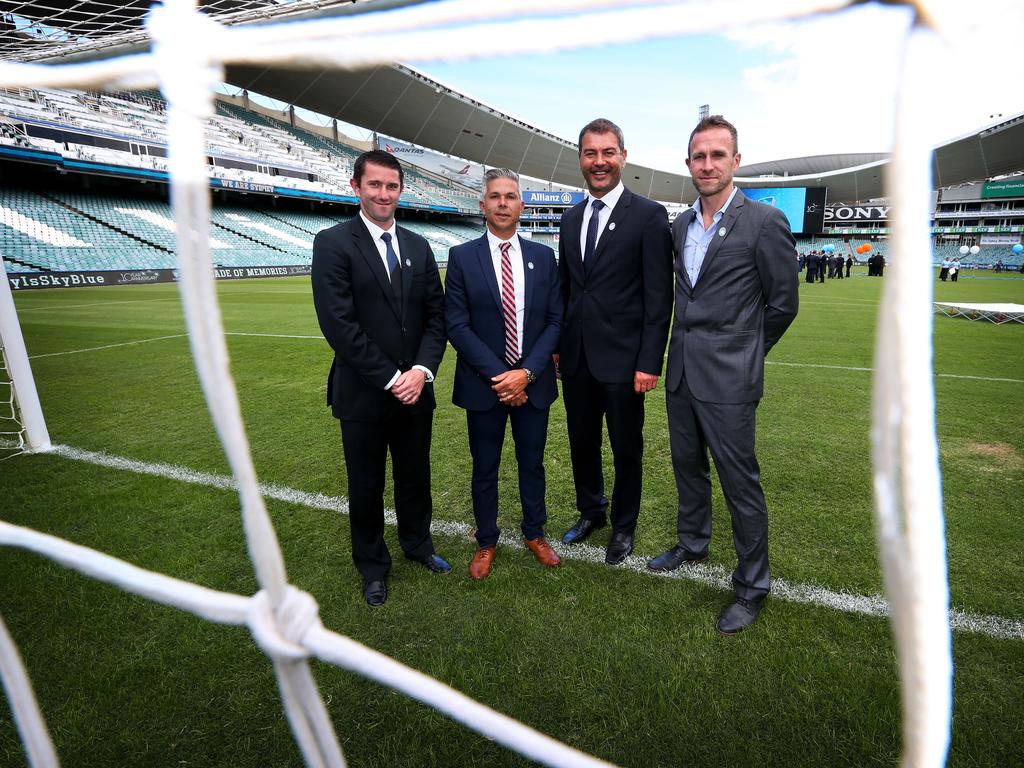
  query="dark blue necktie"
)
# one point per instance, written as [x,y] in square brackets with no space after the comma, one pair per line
[393,271]
[588,251]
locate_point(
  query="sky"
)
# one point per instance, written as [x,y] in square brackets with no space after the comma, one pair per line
[822,86]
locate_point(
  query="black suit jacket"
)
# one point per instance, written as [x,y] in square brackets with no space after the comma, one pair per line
[371,335]
[618,310]
[744,300]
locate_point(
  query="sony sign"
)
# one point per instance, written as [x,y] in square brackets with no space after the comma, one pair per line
[837,213]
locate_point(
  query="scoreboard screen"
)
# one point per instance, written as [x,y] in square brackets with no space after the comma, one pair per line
[803,206]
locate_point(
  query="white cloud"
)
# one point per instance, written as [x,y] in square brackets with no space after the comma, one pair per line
[829,84]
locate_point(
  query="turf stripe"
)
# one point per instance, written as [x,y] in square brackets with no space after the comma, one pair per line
[715,576]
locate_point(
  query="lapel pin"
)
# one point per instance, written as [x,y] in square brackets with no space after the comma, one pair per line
[408,262]
[721,232]
[612,225]
[529,264]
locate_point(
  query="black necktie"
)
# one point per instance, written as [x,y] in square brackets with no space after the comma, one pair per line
[393,270]
[588,251]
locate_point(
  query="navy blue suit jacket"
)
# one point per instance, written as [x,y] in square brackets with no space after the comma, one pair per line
[476,326]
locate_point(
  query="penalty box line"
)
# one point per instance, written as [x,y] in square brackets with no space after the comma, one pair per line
[714,576]
[320,338]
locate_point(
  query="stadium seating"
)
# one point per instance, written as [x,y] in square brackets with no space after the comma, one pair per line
[77,231]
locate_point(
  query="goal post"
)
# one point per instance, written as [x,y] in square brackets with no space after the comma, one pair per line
[26,410]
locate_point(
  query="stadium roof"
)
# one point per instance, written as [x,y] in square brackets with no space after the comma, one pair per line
[400,102]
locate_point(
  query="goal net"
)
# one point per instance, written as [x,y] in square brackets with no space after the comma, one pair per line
[186,62]
[22,427]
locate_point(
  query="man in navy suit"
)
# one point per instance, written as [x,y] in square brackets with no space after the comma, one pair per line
[736,294]
[615,265]
[503,310]
[380,304]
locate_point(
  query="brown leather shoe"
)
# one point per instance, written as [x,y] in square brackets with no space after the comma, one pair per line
[480,565]
[545,555]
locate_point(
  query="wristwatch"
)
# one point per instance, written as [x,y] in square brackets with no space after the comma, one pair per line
[530,376]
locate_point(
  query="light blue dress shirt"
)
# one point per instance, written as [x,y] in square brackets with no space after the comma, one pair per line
[698,239]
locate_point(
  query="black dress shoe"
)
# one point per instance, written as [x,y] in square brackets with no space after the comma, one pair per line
[434,563]
[375,592]
[739,615]
[583,528]
[675,557]
[619,548]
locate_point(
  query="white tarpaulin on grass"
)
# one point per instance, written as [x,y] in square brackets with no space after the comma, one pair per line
[995,313]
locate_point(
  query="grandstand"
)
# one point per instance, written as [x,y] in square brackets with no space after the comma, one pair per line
[252,151]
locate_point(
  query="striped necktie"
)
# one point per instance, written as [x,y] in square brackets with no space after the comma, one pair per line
[508,307]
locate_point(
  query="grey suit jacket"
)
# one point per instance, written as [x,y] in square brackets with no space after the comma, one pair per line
[744,299]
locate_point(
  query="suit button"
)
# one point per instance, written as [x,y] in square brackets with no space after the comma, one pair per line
[401,363]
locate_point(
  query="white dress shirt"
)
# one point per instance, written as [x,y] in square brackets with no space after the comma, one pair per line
[609,200]
[375,232]
[515,255]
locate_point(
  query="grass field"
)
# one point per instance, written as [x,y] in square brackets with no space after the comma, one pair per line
[616,662]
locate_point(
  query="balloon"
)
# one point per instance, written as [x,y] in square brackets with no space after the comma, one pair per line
[1018,249]
[864,248]
[867,247]
[964,250]
[975,250]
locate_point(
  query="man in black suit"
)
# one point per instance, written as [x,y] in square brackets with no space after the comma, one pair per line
[503,308]
[736,294]
[380,305]
[615,265]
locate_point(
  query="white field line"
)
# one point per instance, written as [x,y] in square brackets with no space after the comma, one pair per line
[62,307]
[274,335]
[868,370]
[109,346]
[715,576]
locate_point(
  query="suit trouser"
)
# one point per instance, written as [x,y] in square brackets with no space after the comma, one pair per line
[366,445]
[587,401]
[727,429]
[486,438]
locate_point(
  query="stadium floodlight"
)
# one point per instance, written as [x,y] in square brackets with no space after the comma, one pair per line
[23,399]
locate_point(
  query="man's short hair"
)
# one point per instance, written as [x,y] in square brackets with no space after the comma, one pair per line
[714,121]
[377,157]
[601,125]
[498,173]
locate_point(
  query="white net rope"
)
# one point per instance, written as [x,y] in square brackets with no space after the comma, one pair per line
[188,54]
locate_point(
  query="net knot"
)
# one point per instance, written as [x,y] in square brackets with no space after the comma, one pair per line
[279,633]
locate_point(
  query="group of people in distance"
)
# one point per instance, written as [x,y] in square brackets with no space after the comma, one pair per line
[820,263]
[598,318]
[949,269]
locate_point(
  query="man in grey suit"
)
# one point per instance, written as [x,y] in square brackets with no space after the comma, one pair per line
[736,294]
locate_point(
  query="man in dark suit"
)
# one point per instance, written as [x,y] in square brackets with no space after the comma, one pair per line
[503,309]
[615,266]
[380,304]
[736,294]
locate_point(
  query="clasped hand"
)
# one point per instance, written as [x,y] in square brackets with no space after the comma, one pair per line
[510,387]
[408,386]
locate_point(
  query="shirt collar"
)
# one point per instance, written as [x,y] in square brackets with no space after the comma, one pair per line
[718,214]
[611,198]
[375,229]
[495,242]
